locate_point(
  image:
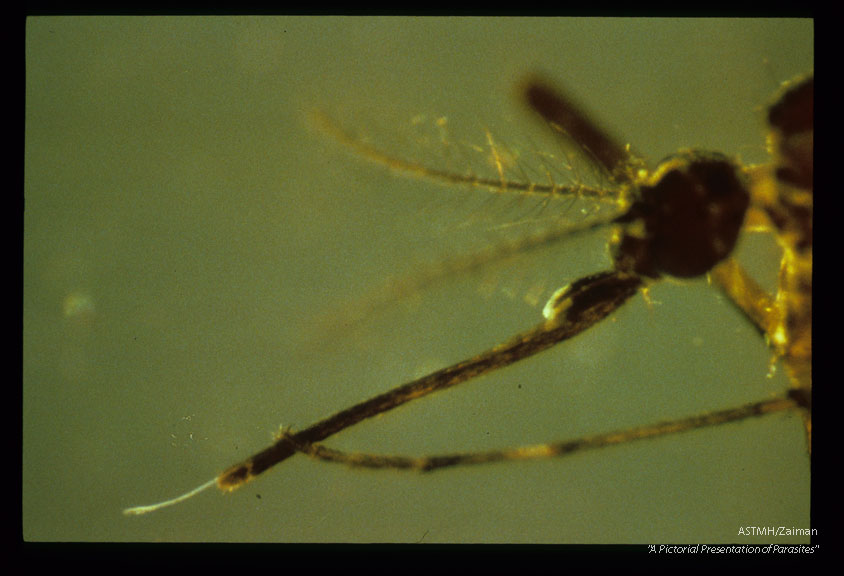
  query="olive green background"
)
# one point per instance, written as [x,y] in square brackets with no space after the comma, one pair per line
[184,227]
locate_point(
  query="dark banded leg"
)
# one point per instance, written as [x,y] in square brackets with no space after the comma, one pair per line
[543,451]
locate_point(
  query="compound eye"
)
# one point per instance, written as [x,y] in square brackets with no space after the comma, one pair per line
[697,204]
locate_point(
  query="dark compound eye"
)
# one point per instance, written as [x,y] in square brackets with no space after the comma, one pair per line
[687,218]
[702,201]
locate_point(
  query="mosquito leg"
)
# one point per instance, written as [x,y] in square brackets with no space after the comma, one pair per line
[541,451]
[579,306]
[568,119]
[754,302]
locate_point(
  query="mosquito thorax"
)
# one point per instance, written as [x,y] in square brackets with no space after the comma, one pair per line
[686,218]
[792,121]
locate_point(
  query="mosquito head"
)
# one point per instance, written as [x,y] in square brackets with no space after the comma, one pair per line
[687,217]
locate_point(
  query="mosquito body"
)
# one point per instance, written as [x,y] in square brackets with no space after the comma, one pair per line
[681,220]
